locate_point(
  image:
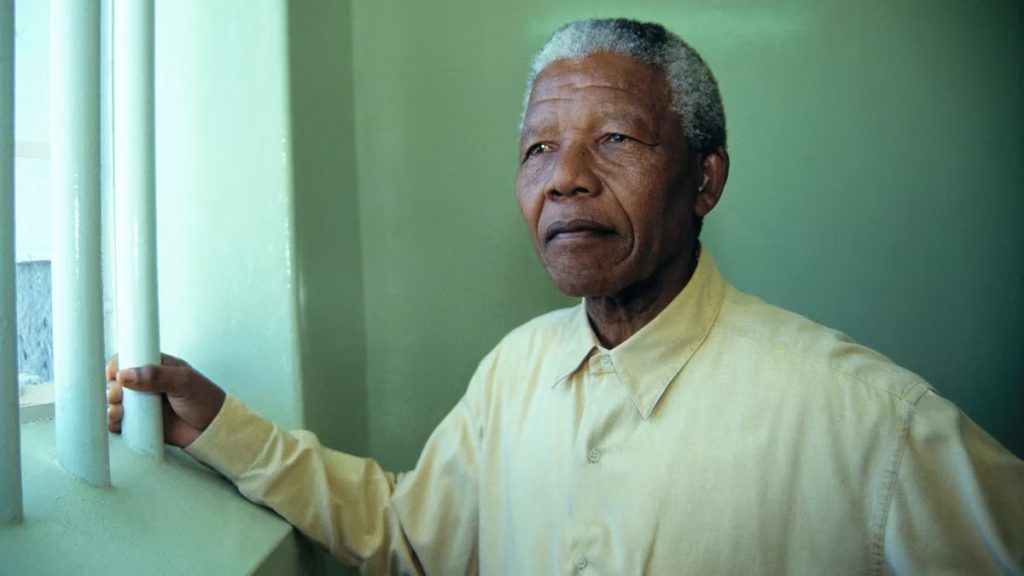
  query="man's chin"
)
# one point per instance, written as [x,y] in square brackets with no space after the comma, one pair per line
[584,285]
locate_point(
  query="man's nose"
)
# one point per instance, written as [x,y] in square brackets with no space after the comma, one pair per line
[573,174]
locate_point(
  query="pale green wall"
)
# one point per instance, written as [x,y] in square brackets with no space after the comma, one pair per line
[448,264]
[328,259]
[876,185]
[227,264]
[260,273]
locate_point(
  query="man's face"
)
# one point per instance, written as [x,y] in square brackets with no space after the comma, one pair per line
[605,180]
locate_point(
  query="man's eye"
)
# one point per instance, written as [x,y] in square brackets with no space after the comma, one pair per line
[537,149]
[616,138]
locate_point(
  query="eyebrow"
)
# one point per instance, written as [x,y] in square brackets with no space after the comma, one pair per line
[530,131]
[527,133]
[626,117]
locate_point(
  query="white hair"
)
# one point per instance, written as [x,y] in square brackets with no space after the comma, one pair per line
[694,91]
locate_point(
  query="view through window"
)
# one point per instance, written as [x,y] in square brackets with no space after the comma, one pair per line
[32,200]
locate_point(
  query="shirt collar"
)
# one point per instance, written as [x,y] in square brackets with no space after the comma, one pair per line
[649,360]
[574,343]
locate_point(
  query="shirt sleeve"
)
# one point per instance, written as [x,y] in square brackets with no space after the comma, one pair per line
[426,521]
[958,498]
[340,501]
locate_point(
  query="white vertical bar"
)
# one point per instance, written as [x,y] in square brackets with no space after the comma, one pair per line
[135,211]
[107,181]
[10,448]
[75,197]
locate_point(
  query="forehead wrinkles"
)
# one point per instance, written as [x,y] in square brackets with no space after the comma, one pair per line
[605,69]
[640,91]
[623,88]
[555,112]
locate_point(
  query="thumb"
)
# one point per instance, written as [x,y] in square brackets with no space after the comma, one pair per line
[147,378]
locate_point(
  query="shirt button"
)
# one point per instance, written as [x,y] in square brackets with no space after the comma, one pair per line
[594,455]
[606,361]
[581,563]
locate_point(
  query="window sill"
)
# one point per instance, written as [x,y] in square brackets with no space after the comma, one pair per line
[171,517]
[36,402]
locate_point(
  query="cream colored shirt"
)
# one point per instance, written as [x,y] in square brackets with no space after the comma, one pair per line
[725,437]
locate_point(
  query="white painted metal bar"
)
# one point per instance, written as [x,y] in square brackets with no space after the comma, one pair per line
[80,399]
[135,216]
[10,442]
[107,181]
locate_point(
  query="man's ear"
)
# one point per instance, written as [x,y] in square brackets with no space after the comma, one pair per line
[715,167]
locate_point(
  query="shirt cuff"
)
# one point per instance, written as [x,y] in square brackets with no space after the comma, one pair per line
[233,441]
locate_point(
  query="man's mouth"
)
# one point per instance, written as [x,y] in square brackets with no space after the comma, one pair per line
[576,229]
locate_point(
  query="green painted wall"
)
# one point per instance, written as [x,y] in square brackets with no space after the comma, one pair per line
[328,255]
[448,265]
[260,262]
[876,185]
[227,264]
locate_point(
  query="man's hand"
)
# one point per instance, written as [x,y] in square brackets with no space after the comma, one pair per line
[190,400]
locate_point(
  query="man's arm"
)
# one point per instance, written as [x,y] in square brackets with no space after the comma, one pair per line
[361,514]
[958,498]
[340,501]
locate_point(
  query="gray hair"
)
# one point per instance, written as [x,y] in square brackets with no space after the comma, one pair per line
[694,91]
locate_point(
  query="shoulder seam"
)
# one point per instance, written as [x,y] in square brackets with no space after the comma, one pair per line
[910,395]
[876,552]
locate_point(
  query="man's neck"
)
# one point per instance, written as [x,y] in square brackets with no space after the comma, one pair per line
[615,318]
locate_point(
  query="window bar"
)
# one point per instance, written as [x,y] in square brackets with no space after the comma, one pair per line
[10,447]
[135,216]
[80,400]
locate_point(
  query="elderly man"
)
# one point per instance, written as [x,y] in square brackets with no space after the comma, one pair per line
[669,424]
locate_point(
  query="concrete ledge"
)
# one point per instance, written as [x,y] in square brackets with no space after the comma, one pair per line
[174,517]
